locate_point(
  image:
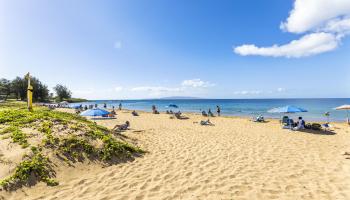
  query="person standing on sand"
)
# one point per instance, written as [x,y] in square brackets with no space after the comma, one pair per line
[218,110]
[120,105]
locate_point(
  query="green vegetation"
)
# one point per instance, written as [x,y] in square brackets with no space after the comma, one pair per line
[62,92]
[75,100]
[17,88]
[19,137]
[37,166]
[69,136]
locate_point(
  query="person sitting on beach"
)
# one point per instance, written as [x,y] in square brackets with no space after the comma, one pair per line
[122,127]
[113,112]
[171,112]
[210,113]
[204,114]
[178,114]
[260,118]
[300,124]
[105,105]
[154,110]
[206,123]
[167,112]
[134,113]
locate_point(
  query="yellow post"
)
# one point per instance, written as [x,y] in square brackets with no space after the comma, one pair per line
[29,94]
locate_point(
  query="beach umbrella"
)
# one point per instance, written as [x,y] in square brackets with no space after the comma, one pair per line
[287,109]
[94,112]
[344,107]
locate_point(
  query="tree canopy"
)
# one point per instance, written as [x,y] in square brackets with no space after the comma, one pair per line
[62,92]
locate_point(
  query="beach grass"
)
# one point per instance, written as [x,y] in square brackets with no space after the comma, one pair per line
[67,136]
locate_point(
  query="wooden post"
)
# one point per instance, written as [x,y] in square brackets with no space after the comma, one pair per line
[29,94]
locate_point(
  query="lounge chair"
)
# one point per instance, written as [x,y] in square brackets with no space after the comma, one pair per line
[288,124]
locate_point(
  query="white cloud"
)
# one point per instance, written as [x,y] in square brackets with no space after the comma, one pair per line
[308,45]
[248,92]
[324,22]
[118,45]
[281,89]
[187,87]
[310,14]
[155,89]
[118,88]
[196,83]
[338,25]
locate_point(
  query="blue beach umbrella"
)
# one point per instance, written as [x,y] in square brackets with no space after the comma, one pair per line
[94,112]
[287,109]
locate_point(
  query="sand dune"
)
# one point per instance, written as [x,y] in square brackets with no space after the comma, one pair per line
[235,159]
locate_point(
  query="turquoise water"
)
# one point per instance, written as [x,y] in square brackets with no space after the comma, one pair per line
[238,107]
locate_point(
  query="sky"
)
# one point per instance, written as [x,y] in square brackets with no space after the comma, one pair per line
[134,49]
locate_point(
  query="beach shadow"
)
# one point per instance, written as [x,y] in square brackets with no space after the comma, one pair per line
[263,122]
[318,132]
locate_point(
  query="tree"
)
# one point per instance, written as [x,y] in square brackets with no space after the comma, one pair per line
[40,91]
[5,87]
[19,88]
[62,92]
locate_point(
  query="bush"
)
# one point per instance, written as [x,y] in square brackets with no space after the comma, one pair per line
[37,166]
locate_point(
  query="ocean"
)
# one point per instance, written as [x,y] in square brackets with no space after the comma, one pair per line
[237,107]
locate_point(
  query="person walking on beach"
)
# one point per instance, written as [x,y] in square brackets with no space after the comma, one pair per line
[218,110]
[120,106]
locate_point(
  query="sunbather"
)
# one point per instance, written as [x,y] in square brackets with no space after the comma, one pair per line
[122,127]
[206,123]
[204,114]
[259,118]
[134,113]
[210,113]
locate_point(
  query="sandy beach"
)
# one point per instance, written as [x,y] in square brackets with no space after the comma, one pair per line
[234,159]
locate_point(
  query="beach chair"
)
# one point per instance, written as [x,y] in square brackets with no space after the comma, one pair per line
[285,120]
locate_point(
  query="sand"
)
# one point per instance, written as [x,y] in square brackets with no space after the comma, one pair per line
[235,159]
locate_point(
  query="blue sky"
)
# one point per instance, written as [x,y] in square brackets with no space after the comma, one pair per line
[212,49]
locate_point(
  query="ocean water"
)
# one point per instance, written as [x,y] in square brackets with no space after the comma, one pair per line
[238,107]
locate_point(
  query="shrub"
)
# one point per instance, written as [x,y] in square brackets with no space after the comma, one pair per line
[37,166]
